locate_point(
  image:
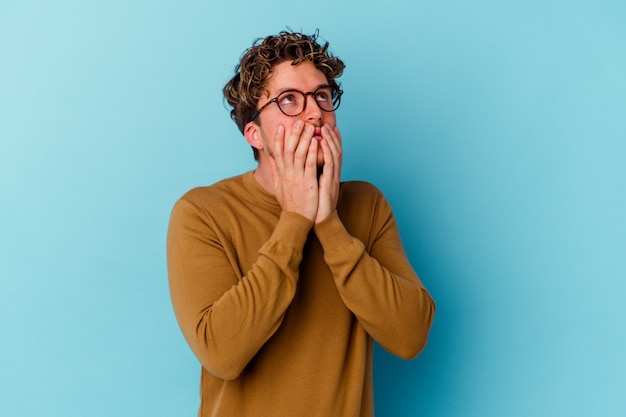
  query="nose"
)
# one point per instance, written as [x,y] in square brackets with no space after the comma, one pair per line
[312,112]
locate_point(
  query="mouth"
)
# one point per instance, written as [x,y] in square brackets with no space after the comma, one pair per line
[317,134]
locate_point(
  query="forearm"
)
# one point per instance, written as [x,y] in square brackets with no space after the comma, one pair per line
[380,288]
[226,318]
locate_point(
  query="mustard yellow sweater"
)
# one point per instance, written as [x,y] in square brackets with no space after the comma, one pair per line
[282,313]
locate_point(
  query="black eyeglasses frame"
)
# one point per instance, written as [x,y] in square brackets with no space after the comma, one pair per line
[336,99]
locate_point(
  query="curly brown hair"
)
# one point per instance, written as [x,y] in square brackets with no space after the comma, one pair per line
[245,89]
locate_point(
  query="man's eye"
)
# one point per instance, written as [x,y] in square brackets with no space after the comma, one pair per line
[322,95]
[288,100]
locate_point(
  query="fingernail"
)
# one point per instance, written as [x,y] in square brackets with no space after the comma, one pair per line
[309,128]
[299,124]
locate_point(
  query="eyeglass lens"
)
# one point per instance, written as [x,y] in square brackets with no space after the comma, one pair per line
[293,102]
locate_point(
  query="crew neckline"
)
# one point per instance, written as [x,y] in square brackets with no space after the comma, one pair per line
[258,191]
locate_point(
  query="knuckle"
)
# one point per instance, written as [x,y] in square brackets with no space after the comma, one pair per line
[300,154]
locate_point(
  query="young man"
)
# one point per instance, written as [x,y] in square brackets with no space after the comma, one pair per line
[281,278]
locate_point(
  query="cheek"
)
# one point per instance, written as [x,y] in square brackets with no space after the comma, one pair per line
[330,118]
[269,125]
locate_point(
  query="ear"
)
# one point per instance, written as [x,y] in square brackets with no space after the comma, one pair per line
[252,132]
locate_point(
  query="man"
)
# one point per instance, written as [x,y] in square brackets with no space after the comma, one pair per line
[281,278]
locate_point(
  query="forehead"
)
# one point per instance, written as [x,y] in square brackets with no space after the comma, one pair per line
[303,76]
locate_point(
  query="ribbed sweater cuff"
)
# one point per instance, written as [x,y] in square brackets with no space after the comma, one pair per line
[292,229]
[332,233]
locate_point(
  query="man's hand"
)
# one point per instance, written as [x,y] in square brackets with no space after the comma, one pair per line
[330,178]
[294,170]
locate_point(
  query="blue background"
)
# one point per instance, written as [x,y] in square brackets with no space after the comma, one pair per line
[496,129]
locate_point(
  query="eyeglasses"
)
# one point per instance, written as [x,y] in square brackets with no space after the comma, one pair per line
[293,102]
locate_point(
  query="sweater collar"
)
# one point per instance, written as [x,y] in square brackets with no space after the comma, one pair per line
[258,192]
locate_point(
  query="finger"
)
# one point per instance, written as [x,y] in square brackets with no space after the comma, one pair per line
[302,151]
[328,185]
[339,139]
[333,133]
[275,175]
[293,138]
[324,181]
[333,141]
[329,159]
[311,160]
[277,148]
[332,136]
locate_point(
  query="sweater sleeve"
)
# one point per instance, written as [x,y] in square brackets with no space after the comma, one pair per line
[378,284]
[226,318]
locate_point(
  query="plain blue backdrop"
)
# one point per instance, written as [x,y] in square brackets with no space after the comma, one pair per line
[497,130]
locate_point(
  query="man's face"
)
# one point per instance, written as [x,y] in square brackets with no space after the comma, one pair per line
[303,77]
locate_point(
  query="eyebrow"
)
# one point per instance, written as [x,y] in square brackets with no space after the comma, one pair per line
[283,90]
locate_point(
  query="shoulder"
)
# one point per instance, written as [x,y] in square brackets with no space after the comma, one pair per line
[220,191]
[360,191]
[211,200]
[361,198]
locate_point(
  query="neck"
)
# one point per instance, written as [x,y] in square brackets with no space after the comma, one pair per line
[263,175]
